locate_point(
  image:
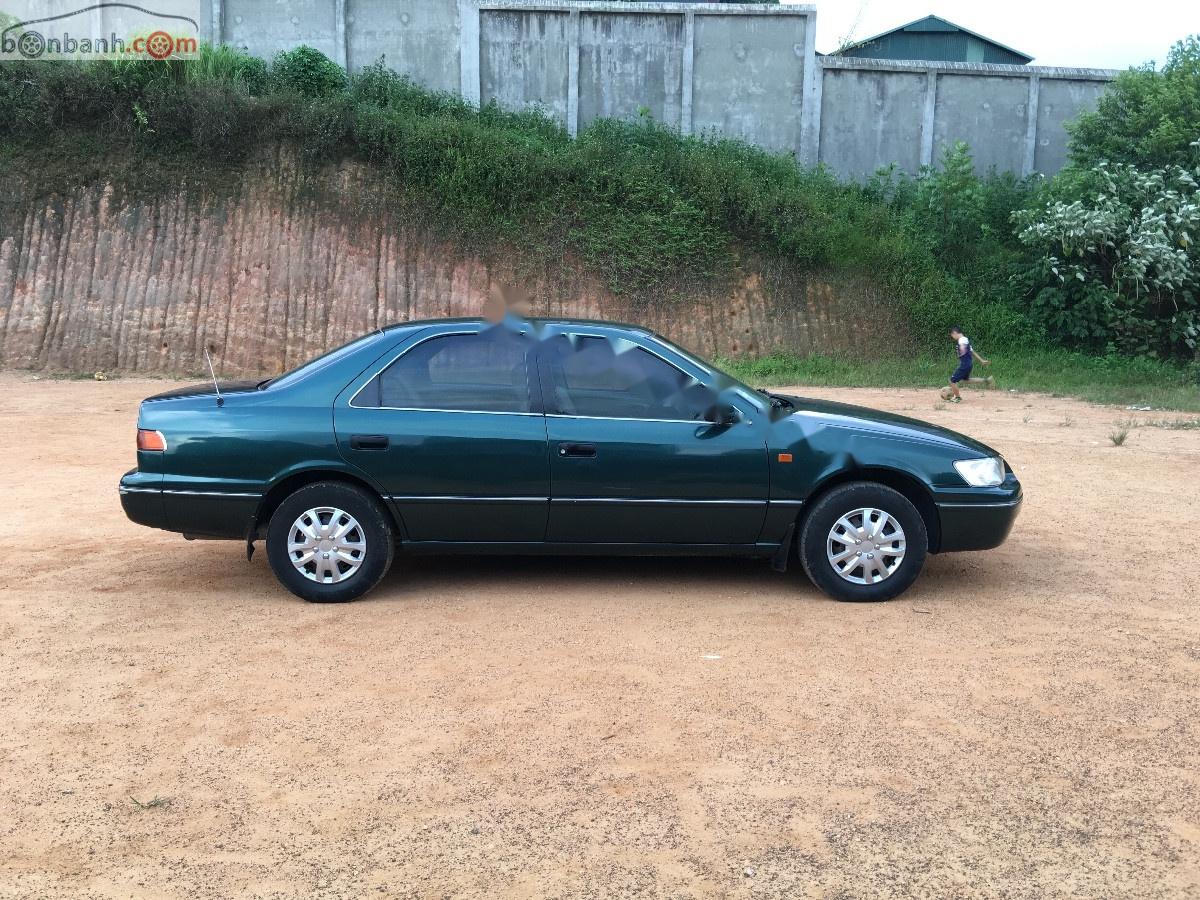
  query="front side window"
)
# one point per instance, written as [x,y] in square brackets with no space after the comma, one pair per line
[485,372]
[598,377]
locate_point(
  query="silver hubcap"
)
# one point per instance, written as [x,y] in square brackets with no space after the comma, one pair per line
[326,545]
[866,546]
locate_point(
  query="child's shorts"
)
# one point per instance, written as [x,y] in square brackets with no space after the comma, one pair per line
[962,373]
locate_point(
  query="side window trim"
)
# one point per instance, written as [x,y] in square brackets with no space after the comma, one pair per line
[533,385]
[546,379]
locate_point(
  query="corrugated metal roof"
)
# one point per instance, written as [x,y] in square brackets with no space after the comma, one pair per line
[933,38]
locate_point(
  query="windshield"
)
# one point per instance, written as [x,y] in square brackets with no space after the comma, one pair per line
[328,358]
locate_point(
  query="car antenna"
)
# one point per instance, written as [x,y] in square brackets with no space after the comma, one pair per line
[213,373]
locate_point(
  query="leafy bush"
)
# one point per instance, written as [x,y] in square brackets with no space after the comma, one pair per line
[1115,264]
[307,72]
[963,221]
[963,218]
[1146,118]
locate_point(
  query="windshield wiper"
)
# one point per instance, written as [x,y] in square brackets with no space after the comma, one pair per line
[262,384]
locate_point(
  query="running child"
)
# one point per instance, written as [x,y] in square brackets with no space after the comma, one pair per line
[966,359]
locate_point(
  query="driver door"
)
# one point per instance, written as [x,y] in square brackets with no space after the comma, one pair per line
[633,459]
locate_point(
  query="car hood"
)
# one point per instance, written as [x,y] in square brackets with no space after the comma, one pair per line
[200,390]
[845,415]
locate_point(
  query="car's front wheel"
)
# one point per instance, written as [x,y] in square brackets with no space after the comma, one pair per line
[330,542]
[863,541]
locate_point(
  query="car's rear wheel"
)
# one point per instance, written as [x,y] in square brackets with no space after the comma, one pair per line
[863,541]
[330,542]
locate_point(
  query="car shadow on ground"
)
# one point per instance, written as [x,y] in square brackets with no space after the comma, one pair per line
[653,574]
[427,576]
[517,572]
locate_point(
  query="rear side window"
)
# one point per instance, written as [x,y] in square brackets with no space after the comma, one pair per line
[486,372]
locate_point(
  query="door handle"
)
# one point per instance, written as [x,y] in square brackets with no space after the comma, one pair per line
[577,451]
[368,442]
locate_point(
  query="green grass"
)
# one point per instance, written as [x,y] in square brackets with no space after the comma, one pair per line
[1168,424]
[1115,381]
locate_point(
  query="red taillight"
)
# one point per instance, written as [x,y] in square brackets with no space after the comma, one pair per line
[151,440]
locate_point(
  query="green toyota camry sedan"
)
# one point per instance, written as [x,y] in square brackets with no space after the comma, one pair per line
[554,436]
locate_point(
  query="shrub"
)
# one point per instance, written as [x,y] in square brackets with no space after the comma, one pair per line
[963,222]
[1115,264]
[307,72]
[965,219]
[231,66]
[216,118]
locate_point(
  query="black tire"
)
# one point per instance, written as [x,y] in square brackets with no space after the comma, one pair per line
[376,530]
[840,501]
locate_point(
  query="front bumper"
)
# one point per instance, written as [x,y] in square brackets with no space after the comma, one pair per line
[976,526]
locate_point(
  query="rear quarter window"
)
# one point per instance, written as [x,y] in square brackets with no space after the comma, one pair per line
[485,372]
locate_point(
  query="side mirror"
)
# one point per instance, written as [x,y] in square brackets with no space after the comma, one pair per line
[723,414]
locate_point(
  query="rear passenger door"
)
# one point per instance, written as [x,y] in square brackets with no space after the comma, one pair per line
[451,428]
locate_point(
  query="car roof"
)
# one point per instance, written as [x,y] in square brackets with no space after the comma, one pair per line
[535,320]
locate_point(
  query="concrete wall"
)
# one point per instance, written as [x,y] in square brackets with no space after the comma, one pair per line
[748,77]
[417,37]
[878,112]
[524,59]
[748,71]
[740,70]
[1060,100]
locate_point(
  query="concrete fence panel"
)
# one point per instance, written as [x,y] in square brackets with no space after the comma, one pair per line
[870,116]
[266,28]
[748,77]
[988,113]
[416,37]
[524,59]
[1060,100]
[876,113]
[630,63]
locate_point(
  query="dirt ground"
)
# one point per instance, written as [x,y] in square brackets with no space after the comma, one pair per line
[1022,723]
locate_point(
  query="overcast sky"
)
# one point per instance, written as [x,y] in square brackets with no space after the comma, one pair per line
[1096,34]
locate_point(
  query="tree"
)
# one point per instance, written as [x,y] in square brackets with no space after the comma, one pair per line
[1147,118]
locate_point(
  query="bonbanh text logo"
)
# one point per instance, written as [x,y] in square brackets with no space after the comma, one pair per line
[39,30]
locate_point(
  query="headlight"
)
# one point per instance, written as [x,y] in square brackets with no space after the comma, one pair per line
[981,472]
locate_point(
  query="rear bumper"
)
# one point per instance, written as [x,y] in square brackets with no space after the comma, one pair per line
[977,526]
[193,513]
[141,498]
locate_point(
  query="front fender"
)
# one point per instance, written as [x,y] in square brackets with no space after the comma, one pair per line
[816,453]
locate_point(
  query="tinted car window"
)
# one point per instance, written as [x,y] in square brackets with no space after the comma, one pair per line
[593,376]
[485,372]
